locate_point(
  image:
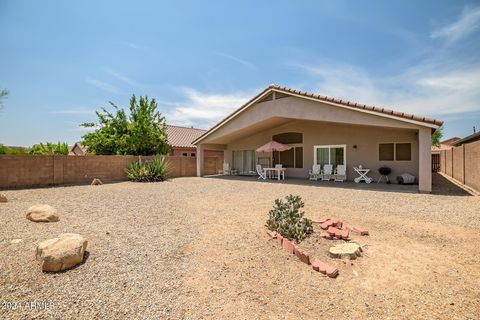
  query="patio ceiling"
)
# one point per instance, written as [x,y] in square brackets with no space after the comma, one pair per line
[251,130]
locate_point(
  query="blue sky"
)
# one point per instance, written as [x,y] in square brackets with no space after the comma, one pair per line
[61,60]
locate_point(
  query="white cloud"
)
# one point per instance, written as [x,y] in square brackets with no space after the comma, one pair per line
[102,85]
[122,77]
[236,59]
[426,89]
[203,110]
[467,23]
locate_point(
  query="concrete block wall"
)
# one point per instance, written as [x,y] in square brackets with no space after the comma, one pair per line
[17,171]
[463,164]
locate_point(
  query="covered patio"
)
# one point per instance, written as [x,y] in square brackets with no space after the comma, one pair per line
[325,132]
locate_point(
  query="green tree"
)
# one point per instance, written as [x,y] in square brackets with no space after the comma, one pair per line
[8,150]
[436,136]
[49,148]
[142,132]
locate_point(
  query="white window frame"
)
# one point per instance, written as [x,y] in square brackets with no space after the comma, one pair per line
[344,146]
[395,151]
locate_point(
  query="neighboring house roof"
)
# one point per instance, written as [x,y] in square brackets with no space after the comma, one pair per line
[441,147]
[182,137]
[77,150]
[449,141]
[402,116]
[467,139]
[445,144]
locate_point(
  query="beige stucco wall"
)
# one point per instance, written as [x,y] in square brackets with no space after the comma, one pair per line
[366,138]
[301,109]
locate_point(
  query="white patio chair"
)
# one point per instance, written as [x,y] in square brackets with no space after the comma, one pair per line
[226,169]
[281,173]
[262,174]
[327,172]
[340,173]
[314,173]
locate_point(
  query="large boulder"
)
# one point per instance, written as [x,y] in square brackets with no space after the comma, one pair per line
[61,253]
[42,213]
[3,198]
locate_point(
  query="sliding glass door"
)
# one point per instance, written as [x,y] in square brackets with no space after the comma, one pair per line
[333,155]
[244,161]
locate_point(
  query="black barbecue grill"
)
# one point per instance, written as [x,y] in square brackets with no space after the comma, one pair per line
[384,172]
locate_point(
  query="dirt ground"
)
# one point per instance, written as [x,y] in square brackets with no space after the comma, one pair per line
[196,248]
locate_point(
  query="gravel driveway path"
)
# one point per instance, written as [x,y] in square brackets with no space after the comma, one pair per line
[196,248]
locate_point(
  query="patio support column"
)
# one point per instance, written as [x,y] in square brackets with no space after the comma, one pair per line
[200,159]
[425,160]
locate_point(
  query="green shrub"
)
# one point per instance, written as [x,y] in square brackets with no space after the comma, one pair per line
[288,220]
[153,170]
[49,149]
[8,150]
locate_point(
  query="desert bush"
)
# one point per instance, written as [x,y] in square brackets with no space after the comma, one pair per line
[153,170]
[287,219]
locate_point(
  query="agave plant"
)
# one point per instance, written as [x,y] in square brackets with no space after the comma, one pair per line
[156,169]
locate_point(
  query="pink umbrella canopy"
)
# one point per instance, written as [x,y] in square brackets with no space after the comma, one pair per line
[273,146]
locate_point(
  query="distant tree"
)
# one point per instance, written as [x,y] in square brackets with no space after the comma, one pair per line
[9,150]
[437,136]
[49,148]
[142,132]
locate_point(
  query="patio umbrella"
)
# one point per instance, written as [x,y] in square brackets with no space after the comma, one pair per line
[273,146]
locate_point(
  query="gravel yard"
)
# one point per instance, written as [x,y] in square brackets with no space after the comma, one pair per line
[197,248]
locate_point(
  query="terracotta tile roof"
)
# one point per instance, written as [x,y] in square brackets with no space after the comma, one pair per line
[359,105]
[379,110]
[182,136]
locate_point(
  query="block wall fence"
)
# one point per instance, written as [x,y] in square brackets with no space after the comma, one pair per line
[463,164]
[20,171]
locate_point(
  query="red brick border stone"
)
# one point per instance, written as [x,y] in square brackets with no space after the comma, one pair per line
[279,238]
[288,246]
[302,255]
[324,268]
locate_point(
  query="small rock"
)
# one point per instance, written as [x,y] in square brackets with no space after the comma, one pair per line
[42,213]
[14,241]
[61,253]
[96,182]
[3,197]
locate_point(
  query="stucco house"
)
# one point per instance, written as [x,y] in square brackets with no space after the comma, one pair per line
[180,140]
[322,130]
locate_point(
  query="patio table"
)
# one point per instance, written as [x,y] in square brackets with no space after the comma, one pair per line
[362,172]
[280,172]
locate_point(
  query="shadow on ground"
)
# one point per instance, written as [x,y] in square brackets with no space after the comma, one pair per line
[440,185]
